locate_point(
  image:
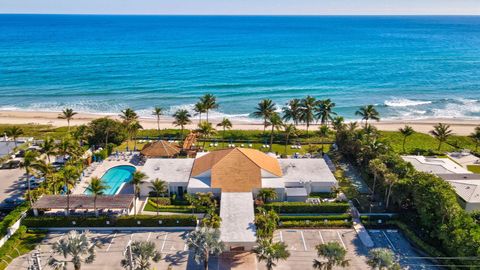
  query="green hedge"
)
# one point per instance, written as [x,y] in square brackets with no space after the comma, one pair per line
[20,243]
[162,201]
[316,218]
[124,221]
[301,207]
[323,195]
[12,217]
[316,224]
[152,207]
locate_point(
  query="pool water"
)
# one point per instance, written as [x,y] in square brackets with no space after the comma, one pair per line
[115,177]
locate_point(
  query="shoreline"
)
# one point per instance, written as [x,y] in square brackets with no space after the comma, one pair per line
[459,126]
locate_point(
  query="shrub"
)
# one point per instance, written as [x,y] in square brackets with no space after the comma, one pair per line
[12,217]
[124,221]
[300,207]
[323,195]
[20,243]
[160,200]
[316,218]
[316,224]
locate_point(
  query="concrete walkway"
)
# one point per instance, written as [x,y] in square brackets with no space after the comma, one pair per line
[354,176]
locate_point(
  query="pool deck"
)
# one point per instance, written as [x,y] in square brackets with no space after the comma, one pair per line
[99,171]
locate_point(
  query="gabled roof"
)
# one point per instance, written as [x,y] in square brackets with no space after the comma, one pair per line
[160,149]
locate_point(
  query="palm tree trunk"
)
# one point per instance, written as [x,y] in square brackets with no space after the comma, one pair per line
[223,138]
[95,205]
[68,203]
[271,139]
[207,116]
[181,135]
[403,145]
[439,145]
[286,143]
[264,125]
[205,263]
[388,196]
[134,200]
[158,125]
[29,190]
[158,203]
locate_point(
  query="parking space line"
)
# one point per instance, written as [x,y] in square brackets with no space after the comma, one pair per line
[343,244]
[111,241]
[164,241]
[389,242]
[148,237]
[321,237]
[303,240]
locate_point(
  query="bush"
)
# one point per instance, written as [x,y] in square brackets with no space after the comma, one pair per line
[316,224]
[323,195]
[153,207]
[316,218]
[12,217]
[300,207]
[124,221]
[160,200]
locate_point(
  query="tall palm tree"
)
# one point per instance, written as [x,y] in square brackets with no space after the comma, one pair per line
[475,136]
[158,112]
[307,109]
[209,102]
[199,109]
[264,110]
[46,170]
[225,124]
[76,248]
[291,112]
[390,179]
[204,243]
[67,114]
[382,259]
[96,187]
[182,118]
[139,254]
[274,121]
[290,131]
[132,129]
[271,252]
[29,161]
[70,175]
[266,223]
[49,147]
[407,131]
[441,132]
[159,187]
[14,132]
[333,253]
[324,111]
[377,168]
[128,115]
[138,179]
[323,133]
[368,112]
[338,123]
[267,194]
[205,129]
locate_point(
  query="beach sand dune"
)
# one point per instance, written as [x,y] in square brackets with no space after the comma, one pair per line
[459,126]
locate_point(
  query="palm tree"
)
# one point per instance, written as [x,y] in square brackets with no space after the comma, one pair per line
[159,187]
[266,223]
[441,132]
[128,115]
[199,108]
[324,111]
[46,170]
[70,175]
[407,131]
[390,179]
[14,132]
[323,132]
[267,194]
[96,187]
[132,128]
[475,136]
[368,112]
[74,247]
[333,253]
[29,161]
[382,259]
[209,102]
[291,112]
[139,254]
[138,178]
[205,129]
[307,108]
[271,252]
[338,123]
[204,243]
[225,124]
[289,130]
[158,112]
[67,114]
[264,110]
[275,121]
[49,147]
[182,118]
[377,167]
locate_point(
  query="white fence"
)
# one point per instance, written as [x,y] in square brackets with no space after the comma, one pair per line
[12,229]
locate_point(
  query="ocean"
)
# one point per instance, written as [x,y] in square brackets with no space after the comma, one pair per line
[411,67]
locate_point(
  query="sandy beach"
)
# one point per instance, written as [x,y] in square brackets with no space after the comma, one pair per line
[459,126]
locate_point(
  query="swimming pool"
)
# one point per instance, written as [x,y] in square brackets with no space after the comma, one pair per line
[115,177]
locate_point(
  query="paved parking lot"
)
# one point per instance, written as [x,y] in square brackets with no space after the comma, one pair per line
[10,184]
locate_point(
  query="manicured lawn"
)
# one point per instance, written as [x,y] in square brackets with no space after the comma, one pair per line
[474,168]
[20,243]
[168,208]
[38,131]
[418,142]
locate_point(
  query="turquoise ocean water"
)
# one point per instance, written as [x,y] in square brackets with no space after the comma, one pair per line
[411,67]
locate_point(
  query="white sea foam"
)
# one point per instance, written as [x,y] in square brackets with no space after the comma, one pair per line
[403,102]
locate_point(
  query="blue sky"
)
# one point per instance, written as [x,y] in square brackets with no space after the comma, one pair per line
[239,7]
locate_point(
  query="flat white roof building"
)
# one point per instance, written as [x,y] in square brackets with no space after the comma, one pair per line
[435,165]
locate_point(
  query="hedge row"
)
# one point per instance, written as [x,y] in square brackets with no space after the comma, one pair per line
[316,224]
[160,201]
[153,207]
[301,207]
[323,195]
[20,243]
[12,217]
[316,218]
[124,221]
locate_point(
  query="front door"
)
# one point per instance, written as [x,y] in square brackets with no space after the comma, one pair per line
[180,192]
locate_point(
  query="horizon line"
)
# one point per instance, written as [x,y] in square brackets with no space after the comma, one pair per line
[251,15]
